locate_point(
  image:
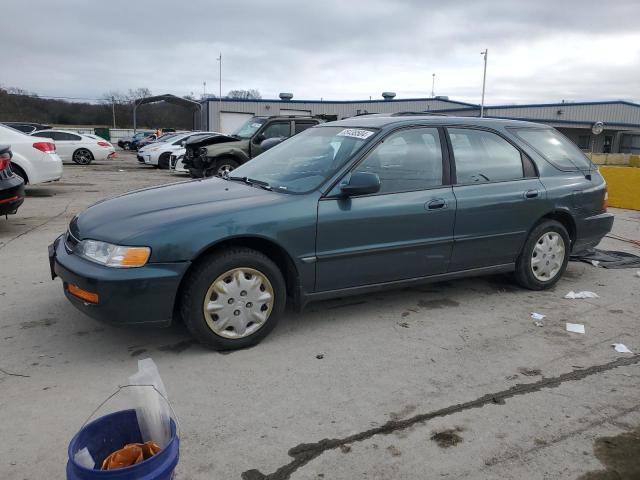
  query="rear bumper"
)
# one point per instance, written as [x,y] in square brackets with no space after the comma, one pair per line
[127,296]
[591,230]
[11,194]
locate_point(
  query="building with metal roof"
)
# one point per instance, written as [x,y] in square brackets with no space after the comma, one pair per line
[579,121]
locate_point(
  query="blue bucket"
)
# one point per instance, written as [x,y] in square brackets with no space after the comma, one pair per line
[112,432]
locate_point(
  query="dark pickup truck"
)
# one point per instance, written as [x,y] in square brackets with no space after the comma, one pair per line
[217,155]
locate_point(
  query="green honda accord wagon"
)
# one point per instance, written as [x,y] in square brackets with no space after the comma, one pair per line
[348,207]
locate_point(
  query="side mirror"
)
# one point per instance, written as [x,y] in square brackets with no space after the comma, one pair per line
[259,138]
[361,183]
[270,142]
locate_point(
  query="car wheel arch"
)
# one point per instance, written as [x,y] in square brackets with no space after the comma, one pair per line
[18,170]
[565,218]
[267,247]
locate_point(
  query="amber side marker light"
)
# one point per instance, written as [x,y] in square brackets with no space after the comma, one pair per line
[82,294]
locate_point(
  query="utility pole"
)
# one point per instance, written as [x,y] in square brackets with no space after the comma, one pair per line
[113,110]
[433,85]
[484,80]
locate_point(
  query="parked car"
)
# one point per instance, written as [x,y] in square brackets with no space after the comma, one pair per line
[11,185]
[126,143]
[79,148]
[221,154]
[348,207]
[34,159]
[26,127]
[158,152]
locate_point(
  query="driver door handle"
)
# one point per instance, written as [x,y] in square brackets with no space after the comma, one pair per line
[436,203]
[531,194]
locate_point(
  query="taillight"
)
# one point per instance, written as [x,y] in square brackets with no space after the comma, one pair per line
[605,200]
[46,147]
[5,160]
[104,144]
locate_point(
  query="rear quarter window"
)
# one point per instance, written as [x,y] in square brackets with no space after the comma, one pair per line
[554,147]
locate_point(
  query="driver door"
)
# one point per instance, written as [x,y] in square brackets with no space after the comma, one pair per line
[404,231]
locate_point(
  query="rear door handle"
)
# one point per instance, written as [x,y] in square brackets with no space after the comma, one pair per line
[531,194]
[436,203]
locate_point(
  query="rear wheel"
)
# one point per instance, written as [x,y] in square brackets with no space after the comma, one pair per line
[126,145]
[544,257]
[233,299]
[19,172]
[82,156]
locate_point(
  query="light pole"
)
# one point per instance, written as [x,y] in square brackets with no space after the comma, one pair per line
[220,93]
[113,110]
[484,80]
[433,84]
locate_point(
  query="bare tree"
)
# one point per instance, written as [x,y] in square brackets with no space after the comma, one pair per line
[250,94]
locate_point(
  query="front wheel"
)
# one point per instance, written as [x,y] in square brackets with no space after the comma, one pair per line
[233,299]
[163,161]
[544,257]
[82,156]
[222,167]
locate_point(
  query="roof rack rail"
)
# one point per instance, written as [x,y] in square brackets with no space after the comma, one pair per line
[418,114]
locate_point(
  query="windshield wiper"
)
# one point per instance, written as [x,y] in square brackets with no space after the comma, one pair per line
[252,182]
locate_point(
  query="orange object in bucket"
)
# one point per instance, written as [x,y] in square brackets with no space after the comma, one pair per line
[131,454]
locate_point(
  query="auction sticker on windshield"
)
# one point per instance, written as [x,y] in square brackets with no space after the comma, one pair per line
[355,133]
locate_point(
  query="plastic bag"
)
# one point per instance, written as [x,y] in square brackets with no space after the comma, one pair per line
[152,410]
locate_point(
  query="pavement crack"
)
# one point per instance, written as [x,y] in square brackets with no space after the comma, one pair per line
[306,452]
[29,230]
[13,374]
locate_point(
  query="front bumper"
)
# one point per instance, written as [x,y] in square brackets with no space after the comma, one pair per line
[11,194]
[590,230]
[127,296]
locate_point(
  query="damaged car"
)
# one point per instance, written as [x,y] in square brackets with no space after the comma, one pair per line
[220,154]
[350,207]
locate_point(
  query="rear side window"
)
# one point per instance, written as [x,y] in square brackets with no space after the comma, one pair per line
[482,156]
[302,126]
[553,146]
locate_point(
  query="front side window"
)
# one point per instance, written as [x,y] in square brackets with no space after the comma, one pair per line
[277,130]
[406,160]
[483,156]
[556,148]
[304,162]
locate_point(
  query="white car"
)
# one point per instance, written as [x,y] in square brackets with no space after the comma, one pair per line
[159,153]
[79,148]
[34,159]
[176,163]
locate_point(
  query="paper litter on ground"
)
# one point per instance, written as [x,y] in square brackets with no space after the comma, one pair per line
[595,263]
[584,294]
[537,316]
[621,348]
[575,327]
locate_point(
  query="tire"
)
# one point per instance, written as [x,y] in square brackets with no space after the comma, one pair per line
[196,173]
[243,305]
[127,145]
[539,265]
[222,166]
[82,156]
[163,161]
[19,172]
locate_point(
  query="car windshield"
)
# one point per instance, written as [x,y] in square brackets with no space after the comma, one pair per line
[250,127]
[302,163]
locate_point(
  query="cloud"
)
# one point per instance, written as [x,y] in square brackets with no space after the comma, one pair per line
[538,51]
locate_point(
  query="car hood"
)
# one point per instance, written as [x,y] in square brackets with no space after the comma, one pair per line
[145,214]
[210,140]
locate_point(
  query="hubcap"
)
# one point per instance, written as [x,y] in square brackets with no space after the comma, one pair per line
[548,256]
[224,170]
[238,303]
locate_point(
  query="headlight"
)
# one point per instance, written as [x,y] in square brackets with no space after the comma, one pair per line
[112,255]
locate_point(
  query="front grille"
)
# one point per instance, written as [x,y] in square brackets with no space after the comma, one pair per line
[70,241]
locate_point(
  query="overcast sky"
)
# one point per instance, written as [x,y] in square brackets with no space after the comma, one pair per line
[539,50]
